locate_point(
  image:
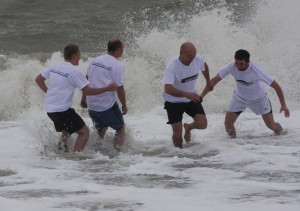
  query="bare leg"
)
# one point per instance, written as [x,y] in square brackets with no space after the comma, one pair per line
[102,132]
[62,143]
[119,138]
[271,124]
[64,135]
[83,136]
[177,134]
[200,122]
[230,119]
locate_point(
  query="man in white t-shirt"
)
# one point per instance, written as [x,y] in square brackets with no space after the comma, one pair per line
[250,92]
[103,108]
[180,92]
[64,78]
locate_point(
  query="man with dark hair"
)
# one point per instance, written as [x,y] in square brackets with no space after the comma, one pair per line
[103,108]
[180,93]
[250,92]
[63,79]
[242,55]
[70,50]
[114,44]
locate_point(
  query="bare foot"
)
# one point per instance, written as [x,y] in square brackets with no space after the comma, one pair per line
[278,129]
[187,133]
[232,134]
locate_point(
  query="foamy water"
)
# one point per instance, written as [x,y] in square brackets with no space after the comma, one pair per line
[256,171]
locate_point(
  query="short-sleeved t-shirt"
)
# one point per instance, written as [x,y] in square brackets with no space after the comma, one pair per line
[182,77]
[63,78]
[102,71]
[249,83]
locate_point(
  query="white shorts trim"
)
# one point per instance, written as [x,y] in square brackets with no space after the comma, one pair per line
[259,107]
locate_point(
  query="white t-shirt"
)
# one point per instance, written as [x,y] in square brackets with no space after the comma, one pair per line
[249,86]
[182,77]
[63,80]
[102,71]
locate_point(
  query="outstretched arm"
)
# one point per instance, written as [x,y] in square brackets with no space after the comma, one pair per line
[280,95]
[40,80]
[96,91]
[213,82]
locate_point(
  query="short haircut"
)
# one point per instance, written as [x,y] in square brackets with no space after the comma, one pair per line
[114,44]
[70,50]
[242,54]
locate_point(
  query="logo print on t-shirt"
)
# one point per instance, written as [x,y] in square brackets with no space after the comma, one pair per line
[102,66]
[60,73]
[245,82]
[194,77]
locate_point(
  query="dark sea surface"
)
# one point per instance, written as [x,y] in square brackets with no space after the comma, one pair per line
[34,26]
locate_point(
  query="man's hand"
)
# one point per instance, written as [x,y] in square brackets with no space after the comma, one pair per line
[83,103]
[112,87]
[285,110]
[124,110]
[193,97]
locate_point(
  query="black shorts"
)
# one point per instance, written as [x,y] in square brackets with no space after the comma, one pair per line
[175,110]
[67,120]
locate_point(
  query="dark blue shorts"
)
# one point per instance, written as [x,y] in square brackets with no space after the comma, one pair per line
[175,110]
[67,120]
[110,118]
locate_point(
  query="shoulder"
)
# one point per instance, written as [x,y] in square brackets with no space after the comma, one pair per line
[173,62]
[72,69]
[198,57]
[255,66]
[257,69]
[260,71]
[229,67]
[97,59]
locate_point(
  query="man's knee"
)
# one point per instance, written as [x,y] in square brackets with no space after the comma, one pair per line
[200,122]
[200,125]
[84,131]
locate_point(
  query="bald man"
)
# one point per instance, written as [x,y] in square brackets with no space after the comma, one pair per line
[180,92]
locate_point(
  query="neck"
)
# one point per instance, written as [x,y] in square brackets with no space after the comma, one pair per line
[71,61]
[113,54]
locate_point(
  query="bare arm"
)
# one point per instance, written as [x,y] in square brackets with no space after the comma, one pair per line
[83,103]
[95,91]
[213,82]
[280,95]
[171,90]
[207,78]
[122,98]
[40,80]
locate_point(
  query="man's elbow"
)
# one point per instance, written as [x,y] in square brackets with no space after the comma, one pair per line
[85,90]
[39,79]
[168,88]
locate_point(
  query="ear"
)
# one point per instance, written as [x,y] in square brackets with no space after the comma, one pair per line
[73,57]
